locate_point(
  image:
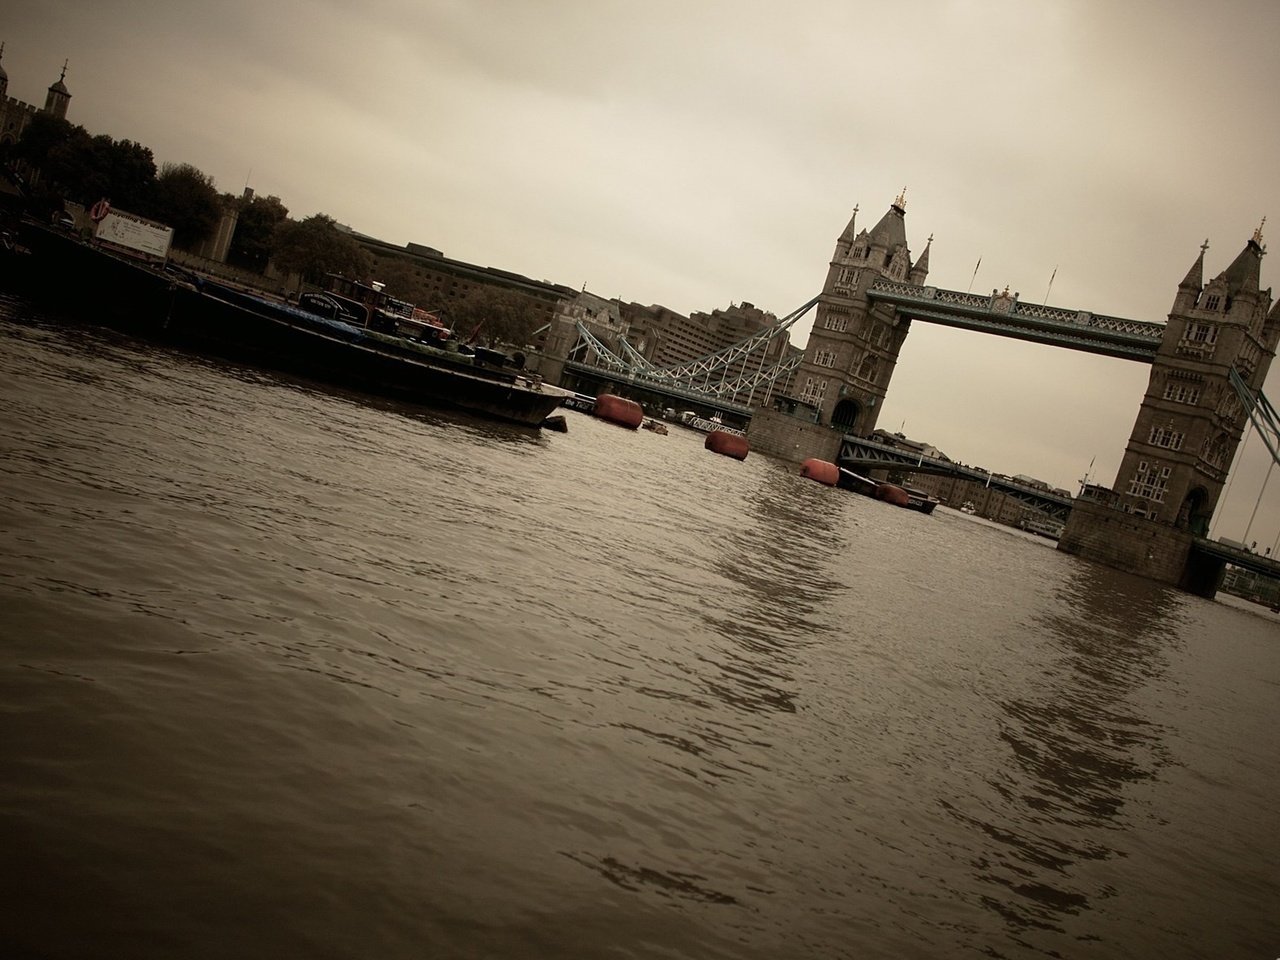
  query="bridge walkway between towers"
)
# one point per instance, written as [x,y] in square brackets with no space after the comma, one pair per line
[1004,315]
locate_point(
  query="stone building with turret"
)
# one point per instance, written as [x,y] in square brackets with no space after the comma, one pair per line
[1217,346]
[853,347]
[16,114]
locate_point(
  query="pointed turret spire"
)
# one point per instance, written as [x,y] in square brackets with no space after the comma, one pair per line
[920,269]
[891,231]
[56,102]
[1243,274]
[850,232]
[1194,280]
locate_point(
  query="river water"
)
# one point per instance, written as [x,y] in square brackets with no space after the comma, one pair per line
[289,672]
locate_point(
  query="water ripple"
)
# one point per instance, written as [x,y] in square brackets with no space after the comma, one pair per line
[291,672]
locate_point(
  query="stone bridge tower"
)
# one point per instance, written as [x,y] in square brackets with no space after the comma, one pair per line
[1188,427]
[853,347]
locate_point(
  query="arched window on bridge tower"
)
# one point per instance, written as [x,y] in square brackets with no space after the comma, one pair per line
[845,414]
[1193,515]
[869,367]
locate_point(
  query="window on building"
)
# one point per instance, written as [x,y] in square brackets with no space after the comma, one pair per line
[1215,450]
[1205,333]
[837,322]
[1211,302]
[1181,392]
[869,367]
[825,358]
[1150,481]
[814,390]
[1166,437]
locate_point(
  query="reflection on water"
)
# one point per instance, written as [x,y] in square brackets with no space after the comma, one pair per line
[293,672]
[1077,740]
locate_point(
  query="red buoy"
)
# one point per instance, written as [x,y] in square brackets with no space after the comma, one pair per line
[823,471]
[730,444]
[619,410]
[891,493]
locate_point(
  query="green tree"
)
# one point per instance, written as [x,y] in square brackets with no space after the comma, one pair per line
[494,315]
[62,156]
[315,246]
[403,282]
[40,137]
[74,165]
[251,245]
[126,173]
[187,200]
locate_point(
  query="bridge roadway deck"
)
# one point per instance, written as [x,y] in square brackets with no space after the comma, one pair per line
[858,453]
[1239,557]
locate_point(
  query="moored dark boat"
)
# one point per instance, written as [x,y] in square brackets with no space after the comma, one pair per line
[189,310]
[909,498]
[919,500]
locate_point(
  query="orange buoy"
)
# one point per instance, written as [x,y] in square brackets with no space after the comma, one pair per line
[619,410]
[729,444]
[891,493]
[823,471]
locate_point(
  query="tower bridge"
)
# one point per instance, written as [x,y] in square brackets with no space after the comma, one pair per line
[1208,363]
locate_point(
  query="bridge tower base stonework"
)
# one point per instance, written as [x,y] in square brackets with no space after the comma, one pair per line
[1219,336]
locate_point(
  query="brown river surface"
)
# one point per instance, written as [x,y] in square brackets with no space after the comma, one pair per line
[288,672]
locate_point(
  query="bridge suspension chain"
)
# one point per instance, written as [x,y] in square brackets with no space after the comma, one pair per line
[1261,414]
[708,374]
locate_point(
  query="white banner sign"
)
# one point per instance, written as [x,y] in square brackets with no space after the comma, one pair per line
[135,233]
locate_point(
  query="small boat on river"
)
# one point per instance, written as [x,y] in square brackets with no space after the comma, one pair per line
[326,337]
[710,424]
[919,500]
[909,498]
[1043,526]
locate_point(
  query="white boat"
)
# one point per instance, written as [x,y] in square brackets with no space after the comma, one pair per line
[708,425]
[1044,526]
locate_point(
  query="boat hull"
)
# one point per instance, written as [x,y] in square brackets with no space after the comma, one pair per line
[189,312]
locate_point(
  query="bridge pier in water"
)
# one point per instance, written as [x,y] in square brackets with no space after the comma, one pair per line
[1103,534]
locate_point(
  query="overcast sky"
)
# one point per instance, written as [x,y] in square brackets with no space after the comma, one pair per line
[697,154]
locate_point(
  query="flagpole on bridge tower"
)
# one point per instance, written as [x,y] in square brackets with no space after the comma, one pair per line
[1050,287]
[975,275]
